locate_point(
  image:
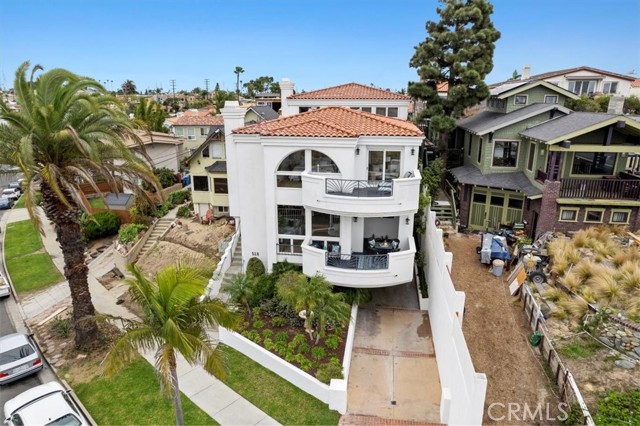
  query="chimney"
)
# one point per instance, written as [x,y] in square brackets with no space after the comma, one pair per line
[233,116]
[286,90]
[616,104]
[526,72]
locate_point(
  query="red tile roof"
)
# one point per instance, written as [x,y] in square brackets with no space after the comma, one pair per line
[350,91]
[333,122]
[635,83]
[205,119]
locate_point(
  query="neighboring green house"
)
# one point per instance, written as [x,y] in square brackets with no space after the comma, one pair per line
[529,159]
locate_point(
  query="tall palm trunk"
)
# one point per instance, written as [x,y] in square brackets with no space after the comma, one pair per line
[177,403]
[67,221]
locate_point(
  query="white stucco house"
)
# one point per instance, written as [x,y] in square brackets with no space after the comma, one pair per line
[333,189]
[351,95]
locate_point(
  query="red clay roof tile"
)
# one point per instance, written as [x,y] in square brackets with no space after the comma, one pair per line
[350,91]
[333,122]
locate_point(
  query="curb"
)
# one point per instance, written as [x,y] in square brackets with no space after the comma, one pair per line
[4,224]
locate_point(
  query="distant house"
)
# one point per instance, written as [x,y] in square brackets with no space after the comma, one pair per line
[635,88]
[527,158]
[194,127]
[271,100]
[256,114]
[158,149]
[351,95]
[582,80]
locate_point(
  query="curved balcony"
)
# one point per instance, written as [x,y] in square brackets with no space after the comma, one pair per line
[363,198]
[360,270]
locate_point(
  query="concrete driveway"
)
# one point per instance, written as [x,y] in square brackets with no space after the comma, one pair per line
[393,372]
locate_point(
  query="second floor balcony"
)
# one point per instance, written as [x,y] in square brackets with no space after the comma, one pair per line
[601,189]
[362,197]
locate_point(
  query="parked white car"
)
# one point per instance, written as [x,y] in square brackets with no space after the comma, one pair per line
[13,193]
[19,357]
[5,290]
[48,405]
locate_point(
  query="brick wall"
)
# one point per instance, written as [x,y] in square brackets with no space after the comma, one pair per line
[580,224]
[465,204]
[549,207]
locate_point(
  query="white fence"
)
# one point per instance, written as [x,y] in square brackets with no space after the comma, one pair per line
[463,390]
[335,394]
[213,288]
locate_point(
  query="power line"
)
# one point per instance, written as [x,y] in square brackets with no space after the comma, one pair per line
[206,84]
[173,88]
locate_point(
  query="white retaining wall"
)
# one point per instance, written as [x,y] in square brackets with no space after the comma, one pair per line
[335,394]
[463,390]
[213,288]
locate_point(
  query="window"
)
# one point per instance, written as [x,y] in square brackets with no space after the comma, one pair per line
[582,87]
[291,220]
[593,215]
[216,150]
[532,156]
[469,143]
[204,131]
[179,131]
[620,216]
[320,163]
[392,112]
[479,197]
[220,186]
[593,163]
[610,87]
[205,152]
[290,246]
[381,111]
[366,109]
[480,150]
[505,153]
[515,203]
[384,165]
[201,183]
[223,209]
[551,99]
[191,133]
[325,225]
[569,214]
[520,99]
[293,162]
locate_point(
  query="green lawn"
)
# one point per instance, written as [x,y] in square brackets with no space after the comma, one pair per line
[29,268]
[272,394]
[97,203]
[20,203]
[133,397]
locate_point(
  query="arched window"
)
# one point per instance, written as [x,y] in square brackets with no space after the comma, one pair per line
[320,163]
[290,169]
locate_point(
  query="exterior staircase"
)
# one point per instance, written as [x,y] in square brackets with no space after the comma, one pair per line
[234,268]
[444,213]
[161,227]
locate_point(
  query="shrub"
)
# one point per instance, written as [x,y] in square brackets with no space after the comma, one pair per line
[282,267]
[167,177]
[267,334]
[129,232]
[281,348]
[318,352]
[304,348]
[329,371]
[139,218]
[256,312]
[258,323]
[61,326]
[305,364]
[162,209]
[268,343]
[184,211]
[179,197]
[618,408]
[299,338]
[332,342]
[252,335]
[273,308]
[255,267]
[264,289]
[277,321]
[99,225]
[282,337]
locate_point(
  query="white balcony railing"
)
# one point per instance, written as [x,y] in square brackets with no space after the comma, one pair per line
[361,198]
[360,270]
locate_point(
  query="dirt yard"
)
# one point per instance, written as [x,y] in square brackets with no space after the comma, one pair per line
[189,239]
[497,335]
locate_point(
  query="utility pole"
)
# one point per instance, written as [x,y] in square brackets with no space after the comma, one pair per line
[206,85]
[173,88]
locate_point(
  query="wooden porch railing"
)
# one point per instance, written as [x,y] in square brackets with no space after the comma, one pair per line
[601,189]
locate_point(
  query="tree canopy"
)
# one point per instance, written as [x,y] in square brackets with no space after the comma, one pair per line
[129,88]
[458,50]
[264,84]
[150,115]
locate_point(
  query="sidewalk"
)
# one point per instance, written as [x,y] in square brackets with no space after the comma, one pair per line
[215,398]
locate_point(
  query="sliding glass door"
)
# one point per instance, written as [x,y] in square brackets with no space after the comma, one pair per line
[384,165]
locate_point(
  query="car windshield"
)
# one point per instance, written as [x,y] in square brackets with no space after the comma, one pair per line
[66,420]
[15,354]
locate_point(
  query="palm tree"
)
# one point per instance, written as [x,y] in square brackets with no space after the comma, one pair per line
[240,290]
[237,72]
[150,116]
[174,321]
[314,298]
[65,135]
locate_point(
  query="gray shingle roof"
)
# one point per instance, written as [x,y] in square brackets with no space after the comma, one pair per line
[217,167]
[266,112]
[484,121]
[114,200]
[518,181]
[561,126]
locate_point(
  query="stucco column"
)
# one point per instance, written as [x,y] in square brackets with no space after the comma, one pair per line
[286,90]
[233,119]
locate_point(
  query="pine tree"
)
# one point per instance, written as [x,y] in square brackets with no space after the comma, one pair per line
[458,50]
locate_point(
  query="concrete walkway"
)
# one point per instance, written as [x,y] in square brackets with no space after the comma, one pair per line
[215,398]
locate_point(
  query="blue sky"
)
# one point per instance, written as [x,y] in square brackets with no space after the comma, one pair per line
[316,43]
